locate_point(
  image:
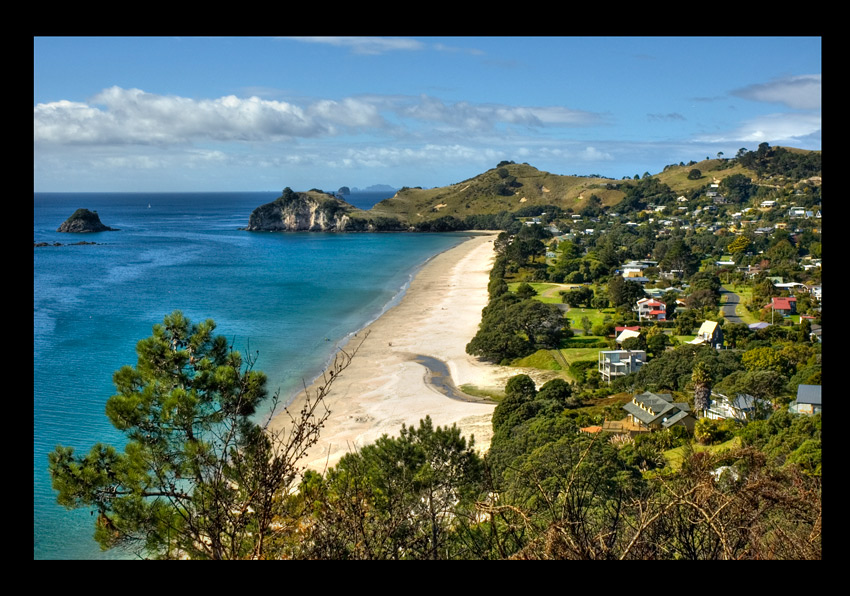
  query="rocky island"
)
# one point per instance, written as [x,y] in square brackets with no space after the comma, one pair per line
[84,221]
[311,211]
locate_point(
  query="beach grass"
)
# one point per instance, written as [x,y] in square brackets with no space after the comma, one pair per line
[474,391]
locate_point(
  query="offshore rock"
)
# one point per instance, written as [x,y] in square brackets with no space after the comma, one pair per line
[311,211]
[84,221]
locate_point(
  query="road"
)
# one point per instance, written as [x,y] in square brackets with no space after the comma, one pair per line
[729,304]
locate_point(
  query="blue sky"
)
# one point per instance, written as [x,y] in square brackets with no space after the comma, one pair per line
[263,113]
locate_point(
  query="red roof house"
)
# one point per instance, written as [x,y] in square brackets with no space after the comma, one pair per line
[783,306]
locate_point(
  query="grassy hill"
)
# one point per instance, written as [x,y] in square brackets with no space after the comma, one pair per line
[508,187]
[511,187]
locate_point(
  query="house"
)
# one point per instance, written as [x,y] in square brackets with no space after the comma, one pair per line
[651,309]
[657,411]
[626,333]
[742,407]
[783,306]
[619,363]
[808,400]
[709,333]
[791,286]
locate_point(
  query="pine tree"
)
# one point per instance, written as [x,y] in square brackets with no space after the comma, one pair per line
[198,478]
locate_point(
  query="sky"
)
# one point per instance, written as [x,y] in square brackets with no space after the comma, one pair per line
[201,114]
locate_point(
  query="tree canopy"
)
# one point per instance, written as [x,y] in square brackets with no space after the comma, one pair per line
[197,477]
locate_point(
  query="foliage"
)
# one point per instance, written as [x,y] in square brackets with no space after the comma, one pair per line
[582,296]
[404,497]
[673,369]
[624,293]
[766,358]
[197,477]
[701,380]
[711,432]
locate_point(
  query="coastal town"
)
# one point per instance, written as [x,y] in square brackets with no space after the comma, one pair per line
[636,379]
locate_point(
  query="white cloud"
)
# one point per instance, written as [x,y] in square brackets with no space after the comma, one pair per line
[119,116]
[465,116]
[771,128]
[800,92]
[367,45]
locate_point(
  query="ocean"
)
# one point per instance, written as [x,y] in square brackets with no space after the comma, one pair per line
[289,298]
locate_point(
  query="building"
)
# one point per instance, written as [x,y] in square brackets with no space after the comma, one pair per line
[619,363]
[808,400]
[783,306]
[627,333]
[742,407]
[709,333]
[657,411]
[650,309]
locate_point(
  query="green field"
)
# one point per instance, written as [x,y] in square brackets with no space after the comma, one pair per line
[546,292]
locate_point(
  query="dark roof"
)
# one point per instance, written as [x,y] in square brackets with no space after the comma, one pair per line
[808,394]
[661,405]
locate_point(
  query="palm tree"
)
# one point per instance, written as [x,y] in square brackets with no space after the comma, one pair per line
[701,380]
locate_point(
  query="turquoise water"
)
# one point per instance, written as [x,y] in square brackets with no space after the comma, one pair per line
[290,297]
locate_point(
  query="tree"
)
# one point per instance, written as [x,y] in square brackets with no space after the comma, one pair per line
[198,477]
[624,293]
[694,174]
[525,291]
[404,497]
[516,406]
[511,328]
[739,244]
[582,296]
[701,380]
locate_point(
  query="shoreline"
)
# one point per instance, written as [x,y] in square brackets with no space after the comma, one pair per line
[388,382]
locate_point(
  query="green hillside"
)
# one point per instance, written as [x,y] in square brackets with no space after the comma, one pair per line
[512,187]
[507,187]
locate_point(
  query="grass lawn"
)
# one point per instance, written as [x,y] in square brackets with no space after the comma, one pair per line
[594,314]
[546,292]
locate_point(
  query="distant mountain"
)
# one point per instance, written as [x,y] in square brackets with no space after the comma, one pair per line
[375,188]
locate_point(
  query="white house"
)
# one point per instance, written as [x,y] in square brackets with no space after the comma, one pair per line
[651,309]
[742,407]
[619,363]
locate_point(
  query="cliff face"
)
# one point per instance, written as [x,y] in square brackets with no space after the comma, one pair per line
[83,221]
[309,212]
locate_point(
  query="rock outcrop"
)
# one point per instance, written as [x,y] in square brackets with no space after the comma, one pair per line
[84,221]
[311,211]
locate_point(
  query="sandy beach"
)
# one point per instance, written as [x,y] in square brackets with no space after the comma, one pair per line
[391,381]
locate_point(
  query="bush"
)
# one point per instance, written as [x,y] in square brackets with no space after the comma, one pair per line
[712,432]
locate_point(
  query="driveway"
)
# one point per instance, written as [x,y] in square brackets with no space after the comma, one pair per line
[729,302]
